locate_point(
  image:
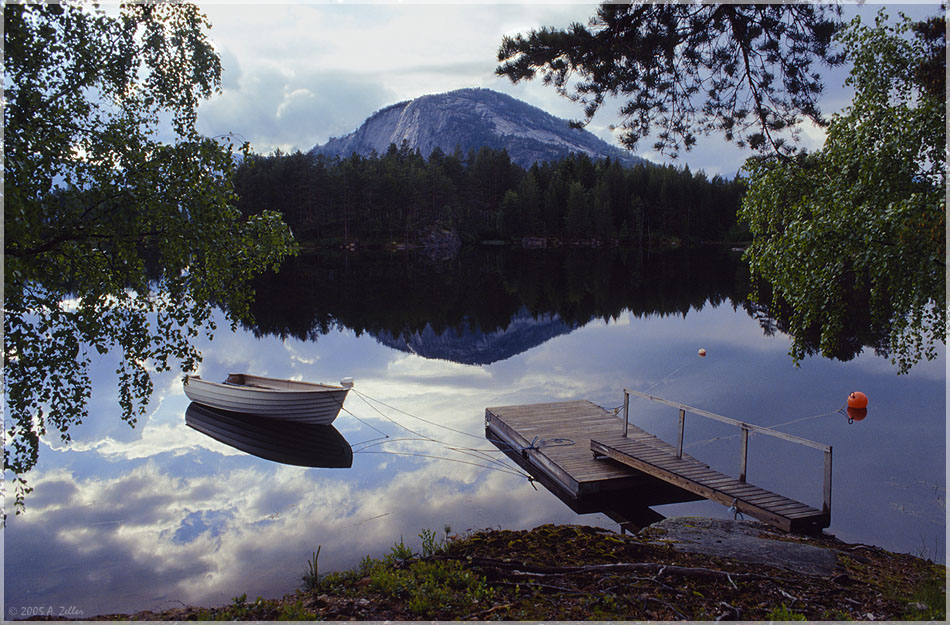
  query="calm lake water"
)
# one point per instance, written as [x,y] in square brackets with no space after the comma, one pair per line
[148,518]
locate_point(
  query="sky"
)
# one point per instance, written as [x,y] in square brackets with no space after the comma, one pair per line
[297,74]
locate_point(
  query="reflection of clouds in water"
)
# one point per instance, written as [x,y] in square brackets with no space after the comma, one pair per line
[920,498]
[454,399]
[935,369]
[200,522]
[296,357]
[935,513]
[173,438]
[233,349]
[146,538]
[166,406]
[162,432]
[420,371]
[599,359]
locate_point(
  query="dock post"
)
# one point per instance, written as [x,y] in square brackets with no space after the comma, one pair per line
[744,457]
[826,503]
[679,446]
[626,411]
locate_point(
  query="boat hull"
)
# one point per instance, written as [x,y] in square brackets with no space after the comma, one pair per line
[287,400]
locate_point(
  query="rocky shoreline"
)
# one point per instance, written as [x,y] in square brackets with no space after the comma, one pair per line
[678,569]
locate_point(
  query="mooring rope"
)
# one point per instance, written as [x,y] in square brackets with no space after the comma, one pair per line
[384,434]
[366,398]
[479,454]
[503,468]
[670,375]
[735,510]
[463,450]
[536,444]
[616,410]
[817,416]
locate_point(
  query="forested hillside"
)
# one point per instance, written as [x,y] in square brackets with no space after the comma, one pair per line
[400,196]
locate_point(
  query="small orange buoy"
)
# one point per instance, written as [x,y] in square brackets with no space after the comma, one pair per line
[702,353]
[857,399]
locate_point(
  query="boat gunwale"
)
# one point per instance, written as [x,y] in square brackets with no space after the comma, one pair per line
[308,387]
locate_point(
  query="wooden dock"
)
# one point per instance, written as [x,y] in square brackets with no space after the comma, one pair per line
[570,470]
[582,451]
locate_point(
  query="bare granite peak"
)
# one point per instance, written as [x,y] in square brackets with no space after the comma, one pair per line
[470,119]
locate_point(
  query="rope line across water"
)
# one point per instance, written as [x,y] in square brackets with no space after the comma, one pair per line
[478,454]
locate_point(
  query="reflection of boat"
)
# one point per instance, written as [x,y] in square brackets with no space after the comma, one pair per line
[288,442]
[290,400]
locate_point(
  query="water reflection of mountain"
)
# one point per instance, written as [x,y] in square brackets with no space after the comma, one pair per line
[472,346]
[486,304]
[489,304]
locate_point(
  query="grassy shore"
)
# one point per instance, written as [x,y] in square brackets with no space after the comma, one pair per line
[586,573]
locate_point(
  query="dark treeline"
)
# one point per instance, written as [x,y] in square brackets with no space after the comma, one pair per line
[400,196]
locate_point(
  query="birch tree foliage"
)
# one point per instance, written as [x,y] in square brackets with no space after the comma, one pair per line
[121,233]
[862,220]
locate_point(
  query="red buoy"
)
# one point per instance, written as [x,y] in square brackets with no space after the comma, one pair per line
[857,399]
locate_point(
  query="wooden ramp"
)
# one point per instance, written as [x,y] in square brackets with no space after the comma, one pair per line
[689,474]
[553,442]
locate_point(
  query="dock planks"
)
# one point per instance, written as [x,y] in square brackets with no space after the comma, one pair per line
[777,510]
[573,468]
[643,466]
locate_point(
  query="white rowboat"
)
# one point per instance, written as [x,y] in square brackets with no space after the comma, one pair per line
[289,400]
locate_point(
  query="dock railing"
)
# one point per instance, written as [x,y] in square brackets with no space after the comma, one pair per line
[745,430]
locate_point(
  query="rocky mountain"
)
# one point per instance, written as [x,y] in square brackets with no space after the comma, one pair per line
[469,119]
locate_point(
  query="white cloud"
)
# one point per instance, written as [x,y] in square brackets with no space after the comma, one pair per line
[279,109]
[297,74]
[322,69]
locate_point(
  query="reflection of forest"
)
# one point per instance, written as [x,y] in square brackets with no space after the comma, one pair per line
[484,289]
